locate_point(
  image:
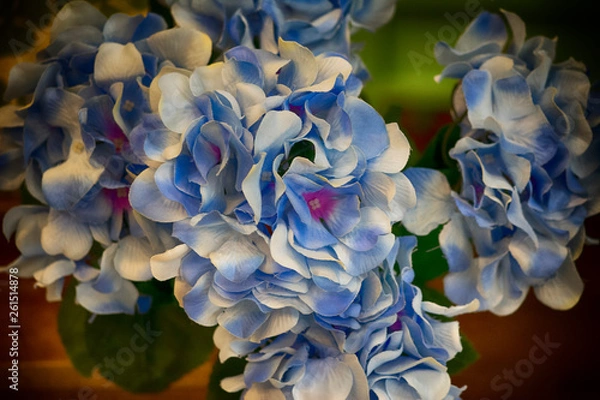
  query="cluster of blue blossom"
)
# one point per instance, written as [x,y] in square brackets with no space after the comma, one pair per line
[320,25]
[387,348]
[85,95]
[529,159]
[261,183]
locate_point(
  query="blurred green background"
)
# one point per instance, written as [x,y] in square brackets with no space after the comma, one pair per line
[399,55]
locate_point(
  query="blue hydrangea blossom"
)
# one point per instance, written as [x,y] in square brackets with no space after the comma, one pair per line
[294,179]
[527,176]
[404,351]
[85,95]
[322,25]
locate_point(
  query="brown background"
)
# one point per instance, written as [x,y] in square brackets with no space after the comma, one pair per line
[504,343]
[570,372]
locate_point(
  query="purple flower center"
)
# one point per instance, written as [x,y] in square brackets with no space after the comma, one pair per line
[216,151]
[397,326]
[320,203]
[119,198]
[117,137]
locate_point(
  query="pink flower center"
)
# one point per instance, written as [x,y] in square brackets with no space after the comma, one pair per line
[321,204]
[119,198]
[116,135]
[397,326]
[216,151]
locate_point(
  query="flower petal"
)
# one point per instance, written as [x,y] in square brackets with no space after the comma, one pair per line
[325,378]
[177,106]
[116,63]
[434,203]
[122,301]
[64,234]
[243,319]
[67,183]
[146,198]
[562,291]
[186,48]
[132,259]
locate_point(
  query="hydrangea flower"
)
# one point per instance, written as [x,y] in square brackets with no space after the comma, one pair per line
[322,25]
[526,157]
[281,184]
[403,354]
[101,291]
[87,93]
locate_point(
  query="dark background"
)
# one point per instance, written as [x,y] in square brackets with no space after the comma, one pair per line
[503,342]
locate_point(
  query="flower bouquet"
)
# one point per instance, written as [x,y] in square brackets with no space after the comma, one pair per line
[207,175]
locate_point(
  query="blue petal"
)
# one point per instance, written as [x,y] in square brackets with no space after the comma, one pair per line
[373,223]
[359,262]
[237,258]
[369,130]
[67,183]
[147,199]
[197,305]
[243,319]
[455,244]
[329,303]
[541,261]
[123,300]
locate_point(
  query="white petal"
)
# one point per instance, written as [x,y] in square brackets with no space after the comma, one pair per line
[187,48]
[325,378]
[166,265]
[116,63]
[177,106]
[562,291]
[64,234]
[132,259]
[434,202]
[394,158]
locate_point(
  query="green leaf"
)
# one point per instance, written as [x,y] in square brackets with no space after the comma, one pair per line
[141,352]
[465,358]
[428,260]
[72,332]
[303,148]
[231,367]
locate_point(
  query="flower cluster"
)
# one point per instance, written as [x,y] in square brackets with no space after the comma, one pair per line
[260,183]
[399,351]
[528,156]
[321,25]
[74,152]
[280,184]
